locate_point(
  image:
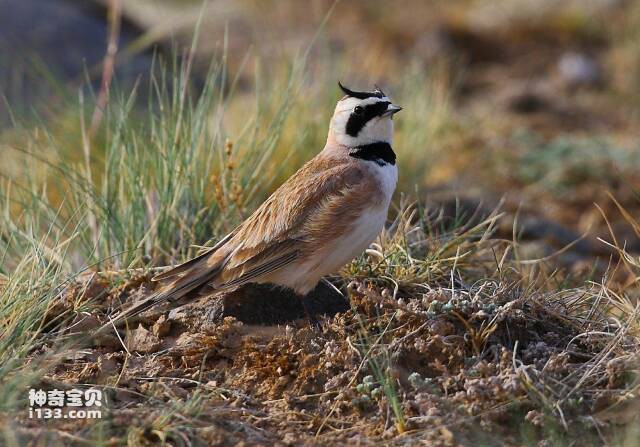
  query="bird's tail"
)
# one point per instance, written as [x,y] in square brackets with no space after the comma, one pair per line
[183,279]
[133,311]
[189,281]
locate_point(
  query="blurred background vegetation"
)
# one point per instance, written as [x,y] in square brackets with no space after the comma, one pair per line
[134,131]
[533,102]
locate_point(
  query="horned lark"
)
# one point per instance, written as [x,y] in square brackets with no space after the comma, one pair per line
[322,217]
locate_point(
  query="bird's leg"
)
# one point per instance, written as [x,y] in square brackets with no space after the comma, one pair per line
[310,316]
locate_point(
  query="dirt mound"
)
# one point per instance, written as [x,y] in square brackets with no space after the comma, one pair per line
[444,365]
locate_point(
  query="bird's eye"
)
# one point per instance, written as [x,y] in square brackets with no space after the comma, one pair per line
[358,110]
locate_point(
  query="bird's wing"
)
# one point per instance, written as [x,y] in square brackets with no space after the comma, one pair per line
[175,271]
[271,238]
[277,233]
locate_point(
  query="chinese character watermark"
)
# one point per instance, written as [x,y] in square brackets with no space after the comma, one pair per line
[50,404]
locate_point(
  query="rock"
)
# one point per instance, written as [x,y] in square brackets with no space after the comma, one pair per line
[143,341]
[579,70]
[185,339]
[525,97]
[527,102]
[538,228]
[184,316]
[161,327]
[108,367]
[62,38]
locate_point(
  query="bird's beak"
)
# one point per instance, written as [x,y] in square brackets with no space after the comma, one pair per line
[392,109]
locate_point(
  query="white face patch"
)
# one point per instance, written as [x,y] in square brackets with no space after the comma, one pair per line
[349,103]
[376,129]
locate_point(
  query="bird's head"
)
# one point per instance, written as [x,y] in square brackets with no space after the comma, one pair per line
[362,118]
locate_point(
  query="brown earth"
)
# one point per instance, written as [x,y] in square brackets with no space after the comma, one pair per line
[474,364]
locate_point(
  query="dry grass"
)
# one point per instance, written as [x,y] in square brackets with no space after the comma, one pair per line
[455,333]
[449,339]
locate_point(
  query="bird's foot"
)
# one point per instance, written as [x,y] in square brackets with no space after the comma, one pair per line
[311,317]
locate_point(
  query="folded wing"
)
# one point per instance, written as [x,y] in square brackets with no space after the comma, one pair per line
[274,236]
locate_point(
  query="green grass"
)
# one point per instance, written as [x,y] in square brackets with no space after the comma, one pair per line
[157,182]
[147,189]
[565,163]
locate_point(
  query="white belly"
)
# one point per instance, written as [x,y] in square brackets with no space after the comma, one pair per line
[304,276]
[361,234]
[339,251]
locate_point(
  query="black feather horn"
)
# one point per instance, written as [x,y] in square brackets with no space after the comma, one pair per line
[379,90]
[360,95]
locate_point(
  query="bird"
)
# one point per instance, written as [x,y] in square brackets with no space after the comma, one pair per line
[318,220]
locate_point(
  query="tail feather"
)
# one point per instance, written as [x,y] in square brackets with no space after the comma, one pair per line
[192,262]
[131,312]
[170,293]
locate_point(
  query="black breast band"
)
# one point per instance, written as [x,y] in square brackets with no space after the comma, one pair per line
[379,152]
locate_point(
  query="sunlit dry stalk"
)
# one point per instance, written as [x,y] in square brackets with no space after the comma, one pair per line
[108,66]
